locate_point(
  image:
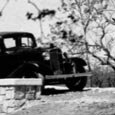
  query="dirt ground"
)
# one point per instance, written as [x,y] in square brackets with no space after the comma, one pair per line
[61,101]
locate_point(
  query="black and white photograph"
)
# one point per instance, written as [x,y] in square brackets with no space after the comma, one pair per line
[57,57]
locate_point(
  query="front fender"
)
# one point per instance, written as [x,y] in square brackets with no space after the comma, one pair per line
[79,61]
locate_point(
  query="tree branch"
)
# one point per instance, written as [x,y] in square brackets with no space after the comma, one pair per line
[7,1]
[33,4]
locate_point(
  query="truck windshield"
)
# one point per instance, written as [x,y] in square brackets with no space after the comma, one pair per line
[26,41]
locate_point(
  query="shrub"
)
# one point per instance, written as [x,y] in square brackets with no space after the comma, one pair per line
[102,77]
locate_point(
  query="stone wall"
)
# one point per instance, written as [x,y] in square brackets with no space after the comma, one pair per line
[14,93]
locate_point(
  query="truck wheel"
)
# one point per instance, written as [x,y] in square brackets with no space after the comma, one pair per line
[78,83]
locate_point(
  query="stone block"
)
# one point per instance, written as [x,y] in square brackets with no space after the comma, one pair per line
[10,109]
[38,97]
[9,94]
[30,96]
[2,98]
[20,88]
[9,103]
[19,95]
[38,92]
[1,109]
[2,91]
[30,92]
[3,113]
[20,92]
[30,88]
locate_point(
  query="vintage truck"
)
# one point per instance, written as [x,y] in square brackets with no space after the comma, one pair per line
[21,58]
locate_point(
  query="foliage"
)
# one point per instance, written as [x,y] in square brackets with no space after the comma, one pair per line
[42,14]
[96,21]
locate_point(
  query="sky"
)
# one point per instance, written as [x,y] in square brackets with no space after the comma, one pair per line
[14,15]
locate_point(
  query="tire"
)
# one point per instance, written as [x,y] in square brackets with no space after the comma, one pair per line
[78,83]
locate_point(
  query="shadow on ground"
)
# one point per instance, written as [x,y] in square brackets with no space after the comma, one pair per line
[53,91]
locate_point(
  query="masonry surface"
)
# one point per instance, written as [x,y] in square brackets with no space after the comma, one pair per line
[14,93]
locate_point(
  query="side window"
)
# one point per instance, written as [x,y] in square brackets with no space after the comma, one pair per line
[9,43]
[26,41]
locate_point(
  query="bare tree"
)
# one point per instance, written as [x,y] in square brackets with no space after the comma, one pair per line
[97,22]
[40,15]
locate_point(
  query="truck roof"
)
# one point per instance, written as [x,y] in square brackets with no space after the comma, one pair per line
[5,34]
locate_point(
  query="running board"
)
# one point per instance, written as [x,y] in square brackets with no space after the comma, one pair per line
[64,76]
